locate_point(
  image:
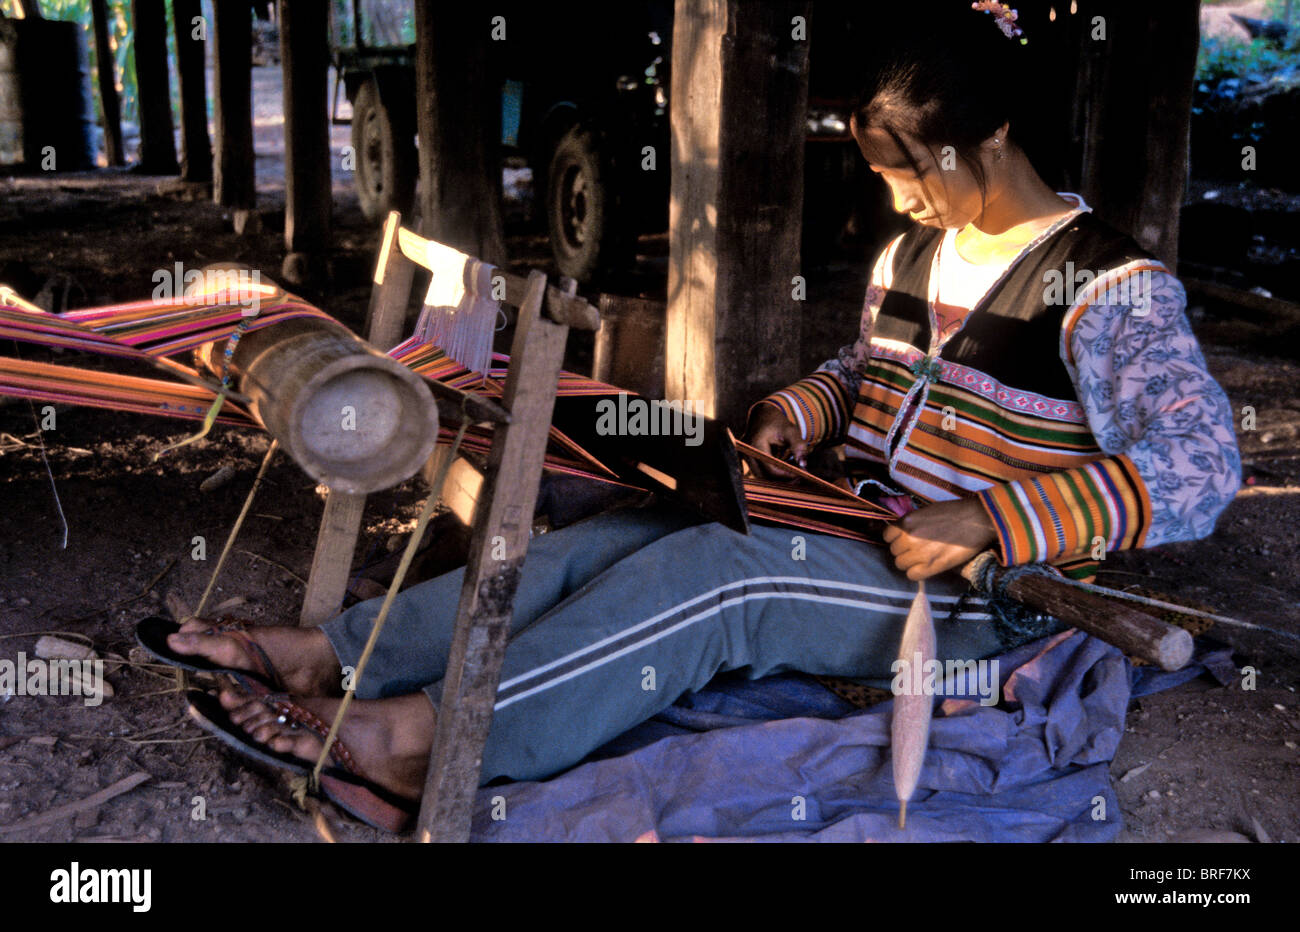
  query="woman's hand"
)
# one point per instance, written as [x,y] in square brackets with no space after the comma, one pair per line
[775,435]
[939,537]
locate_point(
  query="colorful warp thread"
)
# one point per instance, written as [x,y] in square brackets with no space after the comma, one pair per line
[151,332]
[144,331]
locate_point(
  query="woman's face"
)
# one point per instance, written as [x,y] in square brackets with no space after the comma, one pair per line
[943,195]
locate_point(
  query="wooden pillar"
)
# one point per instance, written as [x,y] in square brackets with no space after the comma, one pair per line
[157,144]
[1137,97]
[191,53]
[304,57]
[740,87]
[459,119]
[106,69]
[234,182]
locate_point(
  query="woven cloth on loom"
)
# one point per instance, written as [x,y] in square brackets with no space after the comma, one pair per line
[153,331]
[144,331]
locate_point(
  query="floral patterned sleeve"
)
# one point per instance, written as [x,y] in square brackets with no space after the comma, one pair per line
[822,404]
[1166,427]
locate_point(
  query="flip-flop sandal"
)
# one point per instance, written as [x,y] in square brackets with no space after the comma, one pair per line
[152,632]
[343,784]
[209,714]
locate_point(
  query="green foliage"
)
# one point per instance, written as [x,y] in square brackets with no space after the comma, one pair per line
[1231,57]
[341,24]
[1276,9]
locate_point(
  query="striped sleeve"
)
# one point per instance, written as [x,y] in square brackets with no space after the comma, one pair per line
[818,405]
[1070,513]
[1171,463]
[821,405]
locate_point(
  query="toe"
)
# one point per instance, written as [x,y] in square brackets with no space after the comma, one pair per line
[234,699]
[249,717]
[284,743]
[220,650]
[244,709]
[182,643]
[263,731]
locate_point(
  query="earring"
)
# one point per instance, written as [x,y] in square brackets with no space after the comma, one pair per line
[997,150]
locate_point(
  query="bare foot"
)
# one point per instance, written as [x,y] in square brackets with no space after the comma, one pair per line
[389,739]
[302,657]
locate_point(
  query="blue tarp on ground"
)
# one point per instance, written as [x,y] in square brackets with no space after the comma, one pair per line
[784,759]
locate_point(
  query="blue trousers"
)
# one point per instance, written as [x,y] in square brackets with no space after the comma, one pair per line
[619,615]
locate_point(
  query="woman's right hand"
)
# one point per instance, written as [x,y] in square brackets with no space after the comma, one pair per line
[775,435]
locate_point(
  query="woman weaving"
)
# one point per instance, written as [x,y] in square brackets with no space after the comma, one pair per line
[1050,427]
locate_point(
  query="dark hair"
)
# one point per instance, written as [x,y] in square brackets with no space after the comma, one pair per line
[949,78]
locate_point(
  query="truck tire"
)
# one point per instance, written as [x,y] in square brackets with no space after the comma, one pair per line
[383,143]
[589,233]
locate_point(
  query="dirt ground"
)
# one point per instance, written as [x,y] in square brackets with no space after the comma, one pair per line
[1196,760]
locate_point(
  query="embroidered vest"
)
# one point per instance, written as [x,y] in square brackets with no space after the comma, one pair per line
[997,402]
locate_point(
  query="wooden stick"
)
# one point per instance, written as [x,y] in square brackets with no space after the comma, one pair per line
[503,517]
[1136,633]
[94,799]
[1267,310]
[386,315]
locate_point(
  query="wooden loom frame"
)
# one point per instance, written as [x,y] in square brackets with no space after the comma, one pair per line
[502,523]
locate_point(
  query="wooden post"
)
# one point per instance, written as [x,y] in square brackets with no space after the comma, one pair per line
[304,58]
[1138,103]
[503,519]
[459,119]
[629,347]
[234,184]
[740,87]
[106,69]
[191,54]
[157,144]
[391,294]
[336,543]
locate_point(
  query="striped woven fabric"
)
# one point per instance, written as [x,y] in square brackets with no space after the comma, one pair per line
[1025,455]
[811,503]
[145,331]
[151,332]
[96,389]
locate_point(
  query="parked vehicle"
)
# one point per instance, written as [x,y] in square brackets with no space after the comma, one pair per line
[584,101]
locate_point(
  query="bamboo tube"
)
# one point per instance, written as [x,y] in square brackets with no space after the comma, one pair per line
[351,417]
